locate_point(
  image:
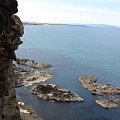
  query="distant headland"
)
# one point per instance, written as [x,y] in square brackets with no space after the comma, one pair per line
[52,24]
[81,25]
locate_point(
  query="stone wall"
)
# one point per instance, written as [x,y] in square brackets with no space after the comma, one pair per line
[11,29]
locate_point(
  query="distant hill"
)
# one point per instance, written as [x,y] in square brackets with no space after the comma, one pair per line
[57,24]
[51,24]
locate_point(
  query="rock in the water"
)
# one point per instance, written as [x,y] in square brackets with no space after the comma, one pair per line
[89,82]
[55,93]
[24,77]
[32,63]
[116,100]
[108,104]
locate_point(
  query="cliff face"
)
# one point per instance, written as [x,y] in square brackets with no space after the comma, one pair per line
[11,29]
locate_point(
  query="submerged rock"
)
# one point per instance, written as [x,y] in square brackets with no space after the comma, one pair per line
[106,103]
[24,77]
[89,82]
[55,93]
[32,63]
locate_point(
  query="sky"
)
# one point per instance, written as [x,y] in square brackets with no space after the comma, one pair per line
[70,11]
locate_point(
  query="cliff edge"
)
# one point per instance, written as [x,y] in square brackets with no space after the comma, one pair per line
[11,29]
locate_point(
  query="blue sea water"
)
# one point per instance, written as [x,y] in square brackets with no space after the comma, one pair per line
[73,51]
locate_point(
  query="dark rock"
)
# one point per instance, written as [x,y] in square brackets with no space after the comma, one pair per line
[55,93]
[8,7]
[9,39]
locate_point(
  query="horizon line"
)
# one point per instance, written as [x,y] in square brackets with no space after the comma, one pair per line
[71,24]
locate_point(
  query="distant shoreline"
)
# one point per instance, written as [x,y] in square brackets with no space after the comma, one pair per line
[81,25]
[51,24]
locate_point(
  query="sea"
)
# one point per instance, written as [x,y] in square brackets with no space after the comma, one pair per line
[73,51]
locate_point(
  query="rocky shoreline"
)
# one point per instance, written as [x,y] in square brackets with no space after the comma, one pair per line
[51,92]
[26,112]
[25,77]
[32,63]
[106,91]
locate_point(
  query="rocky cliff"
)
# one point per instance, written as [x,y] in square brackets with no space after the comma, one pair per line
[11,29]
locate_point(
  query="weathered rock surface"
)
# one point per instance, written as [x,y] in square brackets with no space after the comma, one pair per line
[8,104]
[106,103]
[27,112]
[55,93]
[32,63]
[24,77]
[10,33]
[104,90]
[89,82]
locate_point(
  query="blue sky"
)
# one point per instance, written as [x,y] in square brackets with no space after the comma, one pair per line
[70,11]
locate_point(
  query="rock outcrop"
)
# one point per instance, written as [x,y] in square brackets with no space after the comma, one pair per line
[32,63]
[27,112]
[106,92]
[108,104]
[11,29]
[26,77]
[89,82]
[55,93]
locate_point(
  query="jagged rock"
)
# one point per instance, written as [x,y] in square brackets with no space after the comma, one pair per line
[8,7]
[116,100]
[8,106]
[108,104]
[17,26]
[10,40]
[89,82]
[55,93]
[24,77]
[32,63]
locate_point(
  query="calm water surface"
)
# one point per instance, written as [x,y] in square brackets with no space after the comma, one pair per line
[73,51]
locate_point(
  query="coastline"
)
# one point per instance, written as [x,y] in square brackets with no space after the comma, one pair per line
[26,112]
[64,71]
[27,74]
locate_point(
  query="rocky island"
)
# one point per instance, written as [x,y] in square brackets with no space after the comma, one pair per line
[103,90]
[89,82]
[108,104]
[32,63]
[55,93]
